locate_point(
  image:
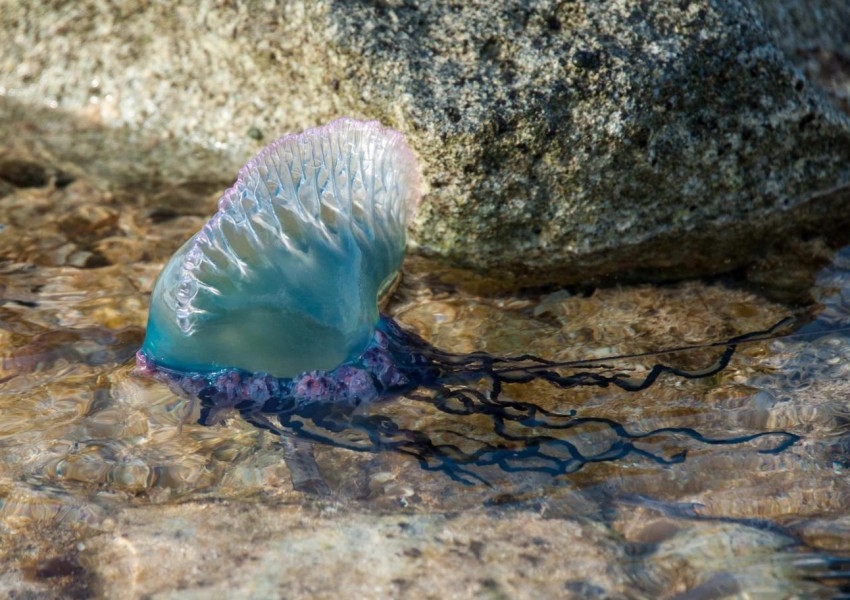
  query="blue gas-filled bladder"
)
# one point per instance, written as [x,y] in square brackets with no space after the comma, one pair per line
[285,277]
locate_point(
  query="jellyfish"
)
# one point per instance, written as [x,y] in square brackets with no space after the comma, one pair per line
[271,311]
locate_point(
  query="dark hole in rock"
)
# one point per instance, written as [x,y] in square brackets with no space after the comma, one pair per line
[23,173]
[489,584]
[805,121]
[68,578]
[96,260]
[63,179]
[162,214]
[59,566]
[490,49]
[27,303]
[589,61]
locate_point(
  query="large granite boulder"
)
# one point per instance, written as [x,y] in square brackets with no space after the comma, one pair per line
[559,141]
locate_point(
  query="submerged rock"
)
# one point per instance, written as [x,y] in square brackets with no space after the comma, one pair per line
[560,141]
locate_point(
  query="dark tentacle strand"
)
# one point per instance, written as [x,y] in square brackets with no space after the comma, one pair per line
[471,385]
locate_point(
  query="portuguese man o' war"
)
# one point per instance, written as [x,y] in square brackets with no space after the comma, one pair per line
[301,246]
[271,310]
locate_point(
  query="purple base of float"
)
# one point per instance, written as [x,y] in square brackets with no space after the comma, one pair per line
[371,376]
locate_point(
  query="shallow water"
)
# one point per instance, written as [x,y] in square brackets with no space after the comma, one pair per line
[109,488]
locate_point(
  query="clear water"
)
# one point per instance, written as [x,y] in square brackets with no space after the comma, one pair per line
[108,488]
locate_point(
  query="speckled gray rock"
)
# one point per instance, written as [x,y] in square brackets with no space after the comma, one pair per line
[577,139]
[559,141]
